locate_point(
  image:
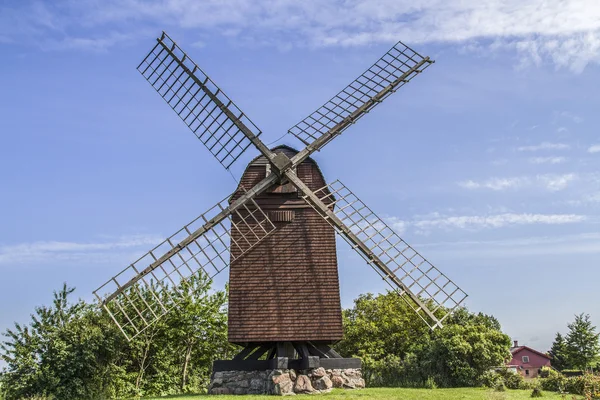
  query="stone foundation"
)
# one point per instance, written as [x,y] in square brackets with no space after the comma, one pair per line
[285,381]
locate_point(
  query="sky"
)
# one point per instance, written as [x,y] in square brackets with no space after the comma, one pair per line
[487,163]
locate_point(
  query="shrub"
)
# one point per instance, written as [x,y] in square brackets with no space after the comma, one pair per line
[552,380]
[500,387]
[430,383]
[529,384]
[511,379]
[546,372]
[491,379]
[583,383]
[388,372]
[587,384]
[537,392]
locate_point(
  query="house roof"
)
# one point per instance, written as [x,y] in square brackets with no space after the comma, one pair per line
[518,349]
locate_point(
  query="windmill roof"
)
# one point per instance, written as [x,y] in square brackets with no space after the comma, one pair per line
[282,148]
[288,151]
[262,160]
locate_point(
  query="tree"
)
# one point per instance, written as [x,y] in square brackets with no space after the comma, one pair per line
[469,345]
[558,352]
[198,330]
[397,348]
[73,350]
[380,325]
[582,345]
[63,353]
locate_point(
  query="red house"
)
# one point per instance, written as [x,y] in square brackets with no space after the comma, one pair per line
[527,361]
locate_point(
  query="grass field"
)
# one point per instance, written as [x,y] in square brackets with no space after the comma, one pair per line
[401,394]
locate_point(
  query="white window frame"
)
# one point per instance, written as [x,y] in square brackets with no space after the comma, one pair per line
[525,357]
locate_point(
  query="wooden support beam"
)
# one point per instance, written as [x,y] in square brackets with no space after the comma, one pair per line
[250,347]
[327,351]
[285,349]
[260,351]
[302,349]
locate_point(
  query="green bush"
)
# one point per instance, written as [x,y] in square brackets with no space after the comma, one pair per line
[530,384]
[585,383]
[388,371]
[546,371]
[430,383]
[552,380]
[537,392]
[511,379]
[491,379]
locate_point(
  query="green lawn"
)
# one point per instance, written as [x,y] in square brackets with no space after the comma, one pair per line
[403,394]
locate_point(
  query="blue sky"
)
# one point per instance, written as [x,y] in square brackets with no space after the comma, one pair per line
[487,163]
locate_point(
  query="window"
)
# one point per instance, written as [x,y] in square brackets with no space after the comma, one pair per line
[526,372]
[525,359]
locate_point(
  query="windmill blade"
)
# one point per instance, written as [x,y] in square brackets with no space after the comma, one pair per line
[430,293]
[392,71]
[141,294]
[221,126]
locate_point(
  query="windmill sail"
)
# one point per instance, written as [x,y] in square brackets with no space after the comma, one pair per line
[431,294]
[392,71]
[221,126]
[139,295]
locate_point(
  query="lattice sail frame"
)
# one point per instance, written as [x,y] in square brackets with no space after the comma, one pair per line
[438,293]
[147,300]
[197,100]
[392,71]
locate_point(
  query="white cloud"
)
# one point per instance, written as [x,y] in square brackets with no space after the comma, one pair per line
[547,160]
[495,221]
[594,148]
[544,146]
[94,44]
[552,182]
[584,243]
[566,33]
[571,116]
[592,198]
[495,183]
[49,251]
[556,182]
[397,224]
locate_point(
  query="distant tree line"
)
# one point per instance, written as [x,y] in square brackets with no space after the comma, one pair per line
[73,350]
[579,348]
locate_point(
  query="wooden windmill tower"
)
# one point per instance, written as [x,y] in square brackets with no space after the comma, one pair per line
[276,232]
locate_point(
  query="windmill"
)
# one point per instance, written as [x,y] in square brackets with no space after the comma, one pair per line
[281,194]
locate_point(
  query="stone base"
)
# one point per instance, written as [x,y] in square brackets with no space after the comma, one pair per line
[285,381]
